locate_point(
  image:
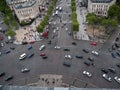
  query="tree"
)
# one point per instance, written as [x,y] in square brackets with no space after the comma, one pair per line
[92,20]
[109,24]
[11,33]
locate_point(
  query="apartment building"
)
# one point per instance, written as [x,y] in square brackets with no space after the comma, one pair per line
[100,7]
[25,10]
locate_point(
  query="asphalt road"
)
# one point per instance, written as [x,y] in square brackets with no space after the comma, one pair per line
[11,65]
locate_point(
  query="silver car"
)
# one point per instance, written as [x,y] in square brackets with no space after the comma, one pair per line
[68,56]
[106,77]
[25,70]
[87,74]
[117,79]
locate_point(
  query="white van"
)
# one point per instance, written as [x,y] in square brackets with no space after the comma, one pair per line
[22,56]
[42,47]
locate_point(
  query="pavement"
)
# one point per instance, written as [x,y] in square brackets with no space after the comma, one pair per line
[81,17]
[48,80]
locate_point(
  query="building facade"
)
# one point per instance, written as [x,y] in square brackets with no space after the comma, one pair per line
[25,10]
[100,7]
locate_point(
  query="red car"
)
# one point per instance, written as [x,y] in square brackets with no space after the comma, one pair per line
[94,43]
[32,42]
[42,54]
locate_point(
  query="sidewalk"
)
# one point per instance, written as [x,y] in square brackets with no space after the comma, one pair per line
[81,17]
[48,80]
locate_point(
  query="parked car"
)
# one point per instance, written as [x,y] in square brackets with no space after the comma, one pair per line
[94,43]
[2,74]
[111,69]
[86,50]
[87,63]
[95,53]
[25,70]
[2,44]
[87,74]
[42,47]
[9,78]
[118,65]
[44,57]
[30,55]
[22,56]
[117,79]
[57,47]
[42,54]
[67,63]
[91,59]
[0,53]
[12,48]
[118,54]
[74,43]
[106,77]
[66,49]
[79,56]
[24,43]
[32,42]
[68,56]
[104,70]
[7,51]
[30,47]
[113,55]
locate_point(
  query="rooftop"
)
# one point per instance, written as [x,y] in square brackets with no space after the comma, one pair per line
[25,4]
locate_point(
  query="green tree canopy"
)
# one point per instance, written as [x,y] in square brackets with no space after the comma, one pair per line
[11,33]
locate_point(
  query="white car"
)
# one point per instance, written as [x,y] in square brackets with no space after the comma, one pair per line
[25,70]
[117,79]
[42,47]
[0,53]
[87,74]
[95,53]
[105,76]
[22,56]
[57,47]
[2,44]
[68,57]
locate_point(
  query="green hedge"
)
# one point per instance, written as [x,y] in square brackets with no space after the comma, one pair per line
[45,20]
[75,24]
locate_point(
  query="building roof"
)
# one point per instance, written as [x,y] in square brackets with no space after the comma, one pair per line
[25,4]
[101,1]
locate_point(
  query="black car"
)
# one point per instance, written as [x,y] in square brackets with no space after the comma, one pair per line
[74,43]
[31,55]
[66,49]
[7,51]
[44,57]
[118,54]
[79,57]
[111,69]
[86,50]
[91,59]
[87,63]
[2,74]
[118,65]
[104,70]
[67,63]
[24,43]
[9,78]
[12,48]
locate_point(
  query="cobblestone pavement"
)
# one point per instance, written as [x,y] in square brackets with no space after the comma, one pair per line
[48,80]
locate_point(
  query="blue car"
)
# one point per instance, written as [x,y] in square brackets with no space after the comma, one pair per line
[113,55]
[30,47]
[30,55]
